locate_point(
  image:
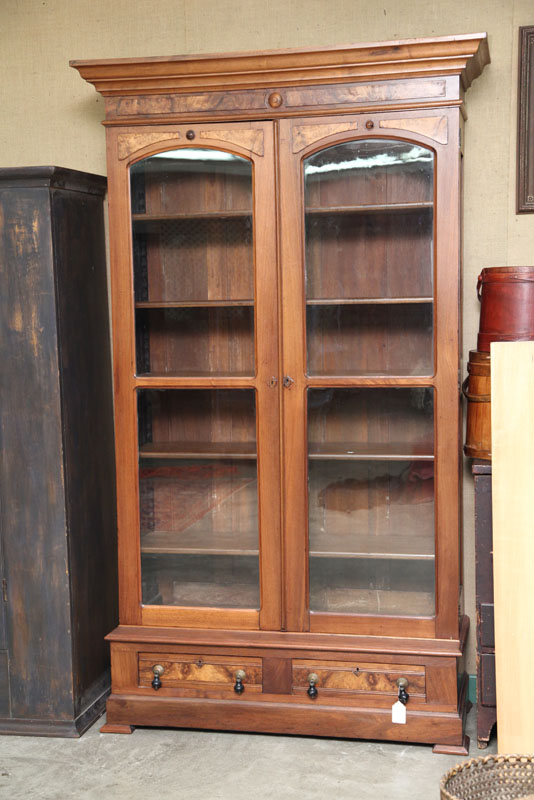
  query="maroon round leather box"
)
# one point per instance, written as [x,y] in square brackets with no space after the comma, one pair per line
[506,295]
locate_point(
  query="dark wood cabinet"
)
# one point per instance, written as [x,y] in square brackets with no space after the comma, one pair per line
[486,694]
[57,487]
[285,266]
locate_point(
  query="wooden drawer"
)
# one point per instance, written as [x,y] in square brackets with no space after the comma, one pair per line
[193,671]
[486,626]
[356,677]
[487,694]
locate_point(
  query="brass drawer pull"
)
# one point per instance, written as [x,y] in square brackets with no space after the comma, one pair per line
[158,671]
[402,683]
[239,678]
[312,688]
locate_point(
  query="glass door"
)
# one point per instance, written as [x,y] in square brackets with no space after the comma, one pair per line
[193,263]
[201,362]
[367,387]
[369,275]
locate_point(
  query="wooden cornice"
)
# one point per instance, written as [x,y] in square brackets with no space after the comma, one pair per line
[51,177]
[464,55]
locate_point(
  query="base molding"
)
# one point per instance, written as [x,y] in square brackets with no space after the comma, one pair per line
[452,750]
[110,728]
[68,729]
[355,722]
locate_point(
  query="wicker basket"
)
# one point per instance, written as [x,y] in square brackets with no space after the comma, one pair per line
[507,777]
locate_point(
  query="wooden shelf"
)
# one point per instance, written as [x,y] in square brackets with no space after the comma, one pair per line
[349,600]
[318,451]
[198,373]
[193,303]
[407,548]
[369,209]
[367,301]
[204,450]
[370,451]
[338,377]
[178,217]
[318,210]
[231,543]
[206,543]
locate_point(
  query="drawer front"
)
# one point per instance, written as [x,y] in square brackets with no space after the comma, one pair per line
[190,671]
[486,625]
[488,694]
[341,677]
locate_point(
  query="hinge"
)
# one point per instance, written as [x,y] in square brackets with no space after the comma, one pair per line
[4,590]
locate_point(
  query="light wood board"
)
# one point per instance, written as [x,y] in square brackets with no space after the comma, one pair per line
[512,420]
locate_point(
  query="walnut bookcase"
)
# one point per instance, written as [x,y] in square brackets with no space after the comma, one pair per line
[285,269]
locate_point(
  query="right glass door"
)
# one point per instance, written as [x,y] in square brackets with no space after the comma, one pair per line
[369,220]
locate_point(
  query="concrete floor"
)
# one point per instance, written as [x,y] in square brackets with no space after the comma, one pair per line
[153,764]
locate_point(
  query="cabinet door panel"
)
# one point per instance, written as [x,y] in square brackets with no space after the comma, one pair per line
[362,319]
[201,477]
[368,207]
[198,495]
[193,241]
[371,501]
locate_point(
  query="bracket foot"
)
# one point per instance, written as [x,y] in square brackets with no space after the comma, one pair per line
[111,727]
[453,749]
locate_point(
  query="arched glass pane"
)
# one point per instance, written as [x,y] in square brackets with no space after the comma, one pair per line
[369,258]
[194,308]
[369,312]
[193,263]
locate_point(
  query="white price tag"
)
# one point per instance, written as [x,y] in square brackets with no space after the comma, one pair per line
[398,713]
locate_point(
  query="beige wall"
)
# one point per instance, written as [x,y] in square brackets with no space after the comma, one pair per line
[49,116]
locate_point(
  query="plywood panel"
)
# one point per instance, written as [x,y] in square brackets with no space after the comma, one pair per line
[513,543]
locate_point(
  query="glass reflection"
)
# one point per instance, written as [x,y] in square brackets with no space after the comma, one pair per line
[198,498]
[371,501]
[369,258]
[193,256]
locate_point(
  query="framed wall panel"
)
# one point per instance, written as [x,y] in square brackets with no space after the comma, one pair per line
[525,121]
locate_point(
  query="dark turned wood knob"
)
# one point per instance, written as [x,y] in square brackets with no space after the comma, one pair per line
[239,678]
[402,683]
[158,671]
[312,688]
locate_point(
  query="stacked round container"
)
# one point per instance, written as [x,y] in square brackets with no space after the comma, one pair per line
[506,315]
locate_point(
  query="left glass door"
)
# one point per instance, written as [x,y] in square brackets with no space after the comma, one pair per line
[193,263]
[198,393]
[198,497]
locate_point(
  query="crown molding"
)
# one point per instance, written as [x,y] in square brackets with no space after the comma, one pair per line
[464,55]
